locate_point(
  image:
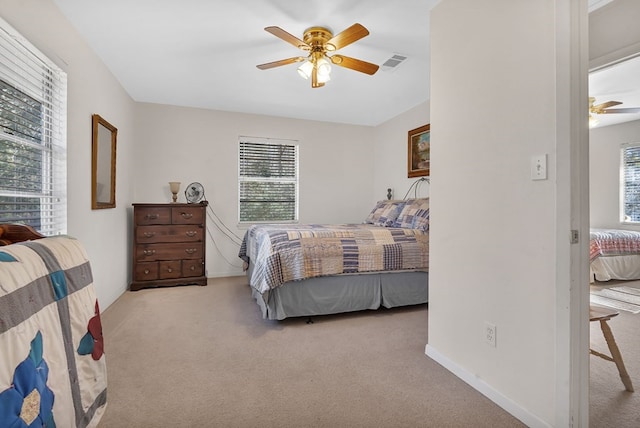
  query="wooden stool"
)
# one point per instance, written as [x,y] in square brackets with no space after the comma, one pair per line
[597,313]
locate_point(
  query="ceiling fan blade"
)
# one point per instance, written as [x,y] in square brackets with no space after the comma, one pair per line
[622,110]
[348,36]
[354,64]
[606,105]
[287,37]
[287,61]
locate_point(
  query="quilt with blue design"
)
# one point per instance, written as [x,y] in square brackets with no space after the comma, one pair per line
[52,363]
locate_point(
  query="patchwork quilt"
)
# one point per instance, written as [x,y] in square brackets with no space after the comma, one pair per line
[613,242]
[52,365]
[283,253]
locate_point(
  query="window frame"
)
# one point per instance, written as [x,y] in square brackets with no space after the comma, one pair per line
[32,74]
[294,144]
[624,175]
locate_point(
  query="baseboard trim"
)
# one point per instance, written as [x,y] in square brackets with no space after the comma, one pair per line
[487,390]
[225,274]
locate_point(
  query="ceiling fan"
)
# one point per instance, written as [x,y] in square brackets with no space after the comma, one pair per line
[318,41]
[604,108]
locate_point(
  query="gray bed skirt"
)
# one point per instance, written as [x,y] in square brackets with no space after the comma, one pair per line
[344,293]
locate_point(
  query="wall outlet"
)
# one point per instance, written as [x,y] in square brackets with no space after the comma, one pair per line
[490,333]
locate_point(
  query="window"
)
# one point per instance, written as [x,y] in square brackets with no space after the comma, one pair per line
[268,180]
[631,183]
[630,186]
[32,136]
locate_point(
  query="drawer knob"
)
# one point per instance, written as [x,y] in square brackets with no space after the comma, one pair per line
[149,252]
[190,250]
[146,271]
[169,270]
[193,268]
[151,216]
[191,233]
[186,215]
[149,234]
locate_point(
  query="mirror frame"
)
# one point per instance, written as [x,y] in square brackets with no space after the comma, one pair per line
[97,122]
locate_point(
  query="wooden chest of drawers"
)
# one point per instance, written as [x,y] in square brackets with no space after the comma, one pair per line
[169,244]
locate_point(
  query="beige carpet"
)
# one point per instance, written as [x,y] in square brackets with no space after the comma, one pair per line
[610,404]
[203,357]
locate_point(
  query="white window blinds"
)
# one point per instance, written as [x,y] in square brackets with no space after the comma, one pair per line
[631,183]
[268,180]
[33,92]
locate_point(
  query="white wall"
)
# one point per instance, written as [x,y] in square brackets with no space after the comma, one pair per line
[604,172]
[390,160]
[187,144]
[91,89]
[493,247]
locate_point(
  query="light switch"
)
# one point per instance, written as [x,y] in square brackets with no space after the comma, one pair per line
[539,167]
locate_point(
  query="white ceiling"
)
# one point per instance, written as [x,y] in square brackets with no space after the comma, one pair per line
[203,53]
[618,82]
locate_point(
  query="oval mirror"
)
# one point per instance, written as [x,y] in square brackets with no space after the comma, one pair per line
[103,163]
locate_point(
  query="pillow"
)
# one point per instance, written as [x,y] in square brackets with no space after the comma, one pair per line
[421,220]
[385,213]
[414,215]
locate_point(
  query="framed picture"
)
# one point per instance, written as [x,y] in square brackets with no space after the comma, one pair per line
[419,152]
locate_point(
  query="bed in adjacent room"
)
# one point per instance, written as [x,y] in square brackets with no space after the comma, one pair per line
[614,254]
[305,270]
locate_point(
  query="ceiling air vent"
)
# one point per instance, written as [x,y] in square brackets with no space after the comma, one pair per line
[392,63]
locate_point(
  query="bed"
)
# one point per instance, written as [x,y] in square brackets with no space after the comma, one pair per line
[614,254]
[52,365]
[318,269]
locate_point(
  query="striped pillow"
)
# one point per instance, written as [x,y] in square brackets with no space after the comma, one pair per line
[414,215]
[385,213]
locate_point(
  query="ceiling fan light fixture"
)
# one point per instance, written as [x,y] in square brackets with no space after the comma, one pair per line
[305,70]
[323,78]
[324,68]
[318,41]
